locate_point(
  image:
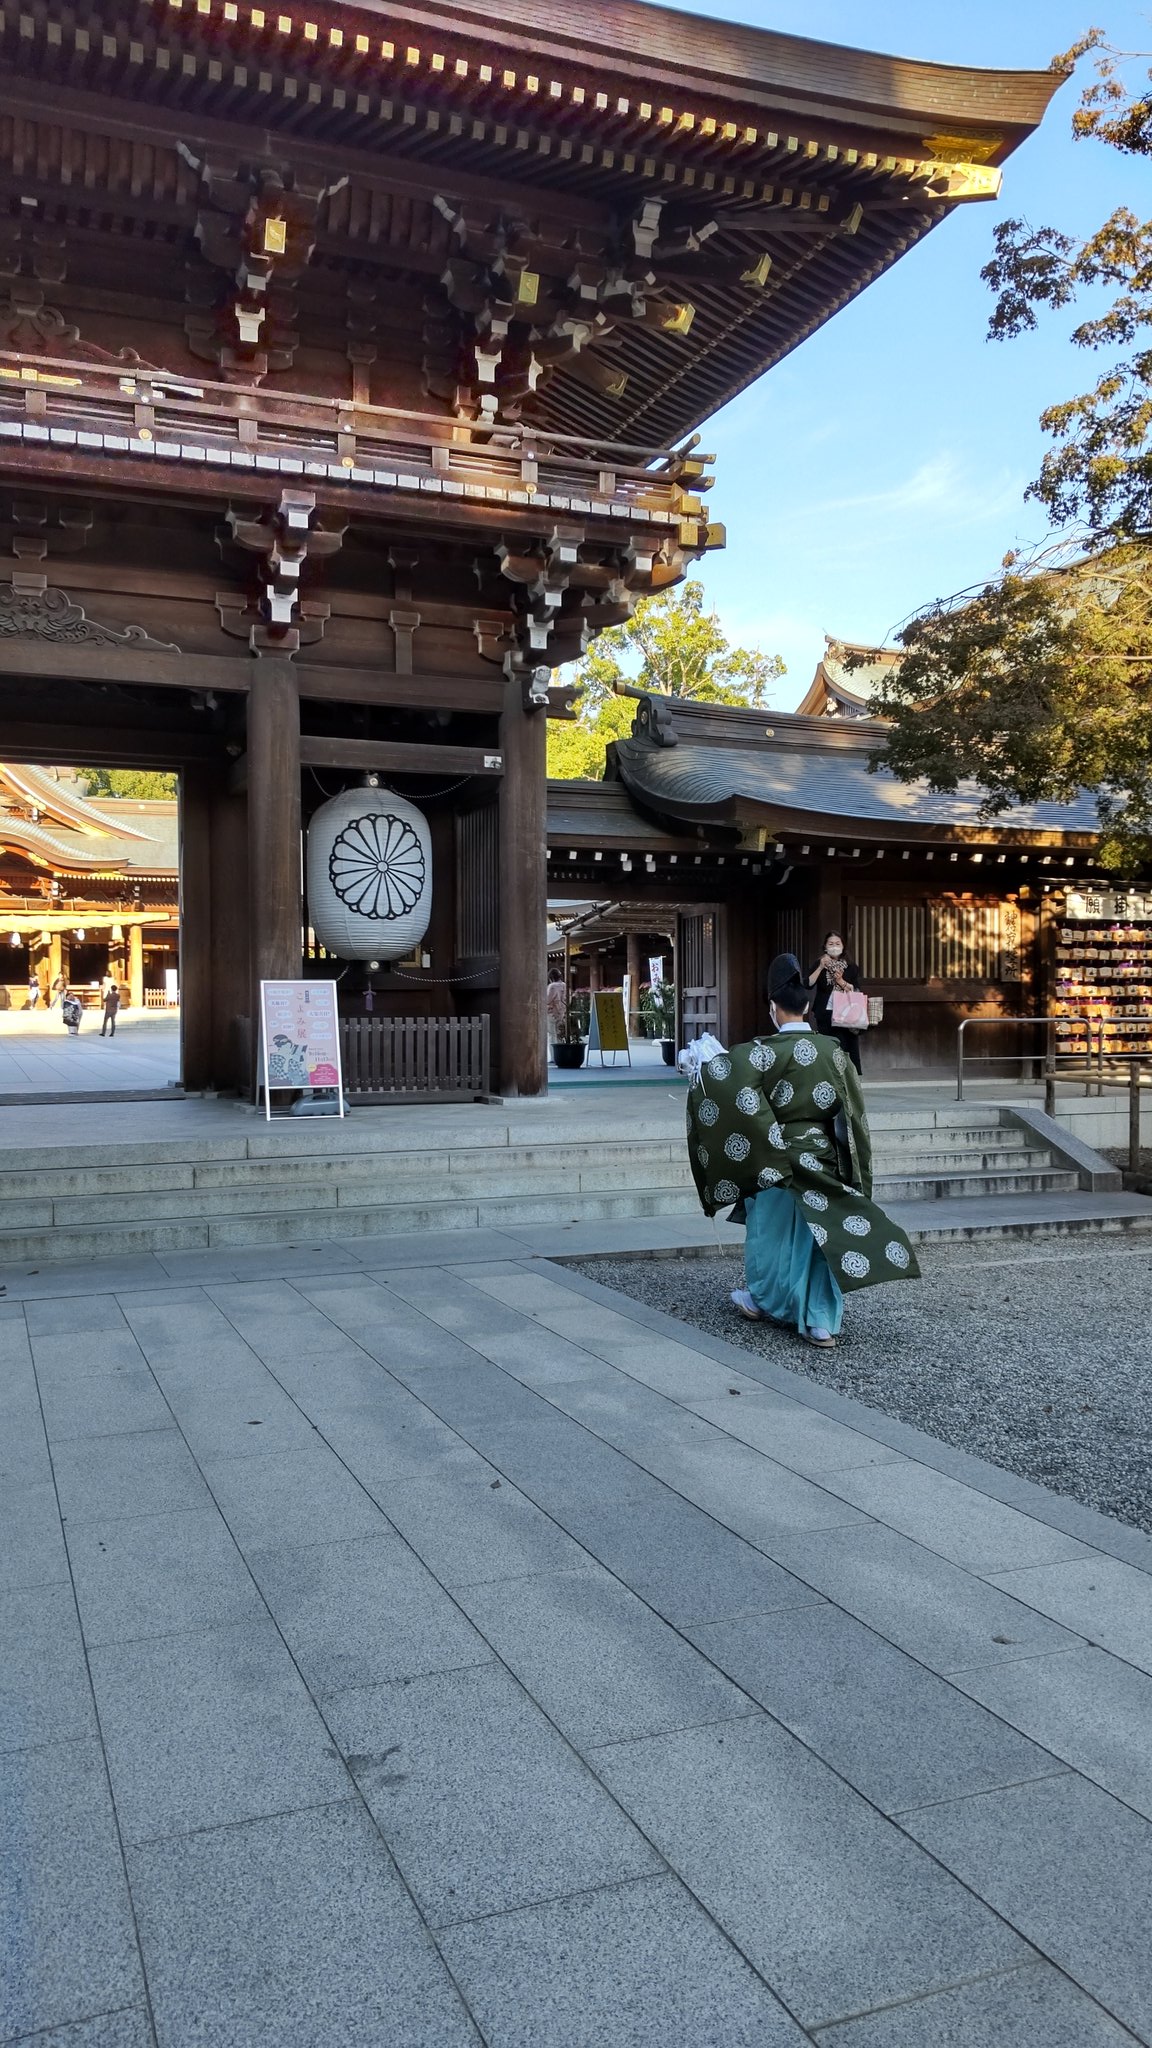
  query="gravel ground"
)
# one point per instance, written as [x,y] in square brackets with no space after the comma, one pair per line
[1032,1356]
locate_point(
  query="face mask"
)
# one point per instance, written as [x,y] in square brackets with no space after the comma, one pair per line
[835,951]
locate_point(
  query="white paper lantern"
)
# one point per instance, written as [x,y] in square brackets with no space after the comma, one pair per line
[369,875]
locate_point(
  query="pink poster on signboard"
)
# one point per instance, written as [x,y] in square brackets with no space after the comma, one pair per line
[301,1034]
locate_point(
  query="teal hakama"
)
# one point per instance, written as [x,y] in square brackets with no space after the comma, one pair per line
[777,1130]
[785,1272]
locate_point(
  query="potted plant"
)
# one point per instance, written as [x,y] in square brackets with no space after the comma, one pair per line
[568,1050]
[658,1003]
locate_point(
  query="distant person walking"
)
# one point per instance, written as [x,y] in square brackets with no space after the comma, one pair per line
[834,971]
[557,1006]
[33,988]
[59,991]
[111,1007]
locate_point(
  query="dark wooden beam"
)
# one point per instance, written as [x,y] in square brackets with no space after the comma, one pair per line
[399,757]
[105,746]
[325,684]
[55,661]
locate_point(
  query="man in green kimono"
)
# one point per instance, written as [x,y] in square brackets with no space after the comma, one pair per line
[778,1127]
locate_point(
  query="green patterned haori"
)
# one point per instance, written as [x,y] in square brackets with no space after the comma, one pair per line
[788,1112]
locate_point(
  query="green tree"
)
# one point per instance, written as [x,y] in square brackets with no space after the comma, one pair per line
[145,784]
[670,644]
[1040,684]
[1099,472]
[1037,687]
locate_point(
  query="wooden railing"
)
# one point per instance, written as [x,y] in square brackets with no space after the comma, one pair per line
[109,409]
[387,1058]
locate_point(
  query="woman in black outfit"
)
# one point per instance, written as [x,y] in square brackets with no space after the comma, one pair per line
[834,970]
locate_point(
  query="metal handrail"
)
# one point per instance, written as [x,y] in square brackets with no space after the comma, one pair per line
[1091,1072]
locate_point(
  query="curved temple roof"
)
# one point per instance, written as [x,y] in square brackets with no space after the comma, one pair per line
[700,764]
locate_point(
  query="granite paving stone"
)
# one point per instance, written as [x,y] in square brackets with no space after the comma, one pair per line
[478,1394]
[243,1417]
[302,1496]
[86,1353]
[1034,2007]
[471,1526]
[481,1802]
[832,1903]
[289,1932]
[681,1562]
[1103,1599]
[1088,1708]
[387,1445]
[631,1417]
[792,1434]
[553,1460]
[159,1575]
[69,1946]
[600,1664]
[357,1613]
[104,1404]
[636,1967]
[128,2028]
[941,1615]
[452,1303]
[72,1316]
[1067,1865]
[761,1501]
[897,1732]
[150,1472]
[961,1524]
[204,1729]
[44,1691]
[32,1551]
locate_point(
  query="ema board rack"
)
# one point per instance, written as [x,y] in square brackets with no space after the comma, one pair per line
[1102,972]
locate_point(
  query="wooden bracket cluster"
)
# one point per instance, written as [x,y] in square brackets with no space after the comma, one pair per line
[284,538]
[257,224]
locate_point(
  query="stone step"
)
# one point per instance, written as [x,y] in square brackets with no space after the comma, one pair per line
[969,1186]
[99,1240]
[527,1164]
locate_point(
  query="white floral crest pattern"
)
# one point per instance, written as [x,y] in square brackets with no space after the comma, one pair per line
[824,1094]
[819,1233]
[719,1068]
[769,1177]
[708,1112]
[376,866]
[897,1254]
[782,1094]
[857,1226]
[776,1137]
[762,1058]
[702,1154]
[737,1146]
[804,1052]
[748,1101]
[809,1162]
[814,1199]
[854,1264]
[840,1060]
[725,1191]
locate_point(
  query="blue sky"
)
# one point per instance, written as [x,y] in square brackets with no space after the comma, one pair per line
[885,462]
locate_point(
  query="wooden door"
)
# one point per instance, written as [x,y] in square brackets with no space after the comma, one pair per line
[699,964]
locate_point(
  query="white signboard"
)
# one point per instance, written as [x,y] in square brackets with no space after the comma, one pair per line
[656,972]
[300,1039]
[1099,905]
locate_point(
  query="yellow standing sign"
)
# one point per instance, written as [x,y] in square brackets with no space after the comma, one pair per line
[608,1025]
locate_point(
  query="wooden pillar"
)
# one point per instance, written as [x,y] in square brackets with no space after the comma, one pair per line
[274,895]
[594,965]
[523,899]
[136,966]
[55,958]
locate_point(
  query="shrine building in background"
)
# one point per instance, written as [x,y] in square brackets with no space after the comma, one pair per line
[351,366]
